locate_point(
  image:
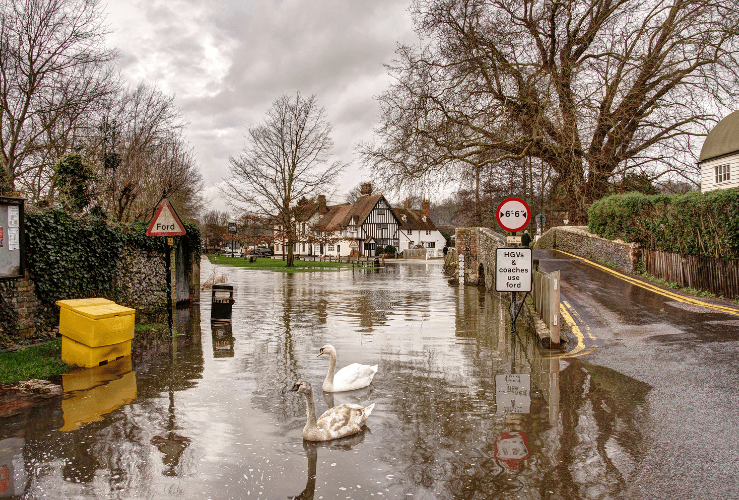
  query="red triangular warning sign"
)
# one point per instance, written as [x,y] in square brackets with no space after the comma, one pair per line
[165,221]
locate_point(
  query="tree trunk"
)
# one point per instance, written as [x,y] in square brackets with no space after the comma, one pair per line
[290,256]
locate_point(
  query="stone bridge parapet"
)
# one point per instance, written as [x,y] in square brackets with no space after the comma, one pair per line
[577,240]
[478,245]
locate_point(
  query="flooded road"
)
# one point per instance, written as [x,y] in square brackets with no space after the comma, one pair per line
[462,409]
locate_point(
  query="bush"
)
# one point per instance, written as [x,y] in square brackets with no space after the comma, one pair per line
[379,250]
[688,224]
[390,249]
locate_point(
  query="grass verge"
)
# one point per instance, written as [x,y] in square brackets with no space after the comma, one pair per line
[279,264]
[41,361]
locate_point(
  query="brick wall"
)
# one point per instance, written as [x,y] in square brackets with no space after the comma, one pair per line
[22,316]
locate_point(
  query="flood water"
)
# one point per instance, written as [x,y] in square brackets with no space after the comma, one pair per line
[462,409]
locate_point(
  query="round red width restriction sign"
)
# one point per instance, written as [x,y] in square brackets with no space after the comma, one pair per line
[513,214]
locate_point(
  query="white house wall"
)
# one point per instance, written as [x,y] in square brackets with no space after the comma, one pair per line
[708,175]
[419,237]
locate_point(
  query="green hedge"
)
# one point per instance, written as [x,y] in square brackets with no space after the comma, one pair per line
[688,224]
[75,256]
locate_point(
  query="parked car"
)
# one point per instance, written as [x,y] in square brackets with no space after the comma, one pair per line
[263,251]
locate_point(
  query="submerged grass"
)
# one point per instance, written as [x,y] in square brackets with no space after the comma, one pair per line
[279,264]
[41,362]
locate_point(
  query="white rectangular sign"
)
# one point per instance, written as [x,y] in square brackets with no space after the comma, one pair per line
[513,270]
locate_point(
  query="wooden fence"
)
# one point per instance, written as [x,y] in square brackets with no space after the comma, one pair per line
[718,276]
[545,292]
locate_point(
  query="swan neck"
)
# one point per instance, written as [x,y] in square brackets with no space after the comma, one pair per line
[331,368]
[310,411]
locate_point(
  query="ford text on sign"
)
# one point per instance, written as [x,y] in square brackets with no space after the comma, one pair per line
[513,270]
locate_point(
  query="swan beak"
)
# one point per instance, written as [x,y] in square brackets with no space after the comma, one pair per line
[294,388]
[319,354]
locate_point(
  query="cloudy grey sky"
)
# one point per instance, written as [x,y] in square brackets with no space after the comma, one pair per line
[226,61]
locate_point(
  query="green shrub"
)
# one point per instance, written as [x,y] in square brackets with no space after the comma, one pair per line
[689,224]
[390,249]
[379,250]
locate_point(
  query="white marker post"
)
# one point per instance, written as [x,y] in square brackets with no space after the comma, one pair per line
[513,265]
[166,223]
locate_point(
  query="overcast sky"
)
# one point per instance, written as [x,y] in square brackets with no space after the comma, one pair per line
[227,61]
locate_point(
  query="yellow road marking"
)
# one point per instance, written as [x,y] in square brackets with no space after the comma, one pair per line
[655,289]
[579,350]
[577,317]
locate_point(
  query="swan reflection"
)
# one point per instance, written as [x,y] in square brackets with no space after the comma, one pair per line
[311,451]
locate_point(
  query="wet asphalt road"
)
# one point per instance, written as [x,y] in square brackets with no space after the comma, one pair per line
[688,354]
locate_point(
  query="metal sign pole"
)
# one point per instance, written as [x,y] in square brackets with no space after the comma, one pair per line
[168,270]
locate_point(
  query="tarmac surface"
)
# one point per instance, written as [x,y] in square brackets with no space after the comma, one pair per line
[686,349]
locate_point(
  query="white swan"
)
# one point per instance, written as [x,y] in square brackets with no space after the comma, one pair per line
[335,422]
[349,378]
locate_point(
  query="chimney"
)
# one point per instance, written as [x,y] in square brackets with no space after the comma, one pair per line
[366,189]
[427,208]
[322,204]
[407,204]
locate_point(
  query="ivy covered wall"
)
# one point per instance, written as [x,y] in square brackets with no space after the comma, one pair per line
[70,256]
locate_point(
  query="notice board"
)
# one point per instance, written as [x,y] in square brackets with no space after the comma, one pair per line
[12,251]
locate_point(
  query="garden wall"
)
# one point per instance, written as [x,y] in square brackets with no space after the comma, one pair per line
[139,282]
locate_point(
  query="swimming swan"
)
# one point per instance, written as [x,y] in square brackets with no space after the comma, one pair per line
[335,422]
[349,378]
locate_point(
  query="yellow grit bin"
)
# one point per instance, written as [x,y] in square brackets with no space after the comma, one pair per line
[95,331]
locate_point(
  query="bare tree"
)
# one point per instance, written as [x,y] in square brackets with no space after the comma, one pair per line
[54,72]
[143,157]
[590,88]
[286,158]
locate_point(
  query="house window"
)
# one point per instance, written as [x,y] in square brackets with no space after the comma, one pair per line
[430,244]
[410,232]
[303,247]
[352,228]
[428,232]
[381,212]
[338,248]
[722,173]
[330,248]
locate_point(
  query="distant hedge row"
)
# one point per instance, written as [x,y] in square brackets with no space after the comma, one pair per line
[688,224]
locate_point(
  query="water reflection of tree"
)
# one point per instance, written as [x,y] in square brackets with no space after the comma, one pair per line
[601,442]
[445,435]
[311,451]
[115,448]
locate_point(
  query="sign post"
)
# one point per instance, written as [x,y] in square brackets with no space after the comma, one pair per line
[541,219]
[166,223]
[513,265]
[232,229]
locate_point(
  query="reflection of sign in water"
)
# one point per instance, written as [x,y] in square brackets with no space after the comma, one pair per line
[511,448]
[461,268]
[513,393]
[12,469]
[98,391]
